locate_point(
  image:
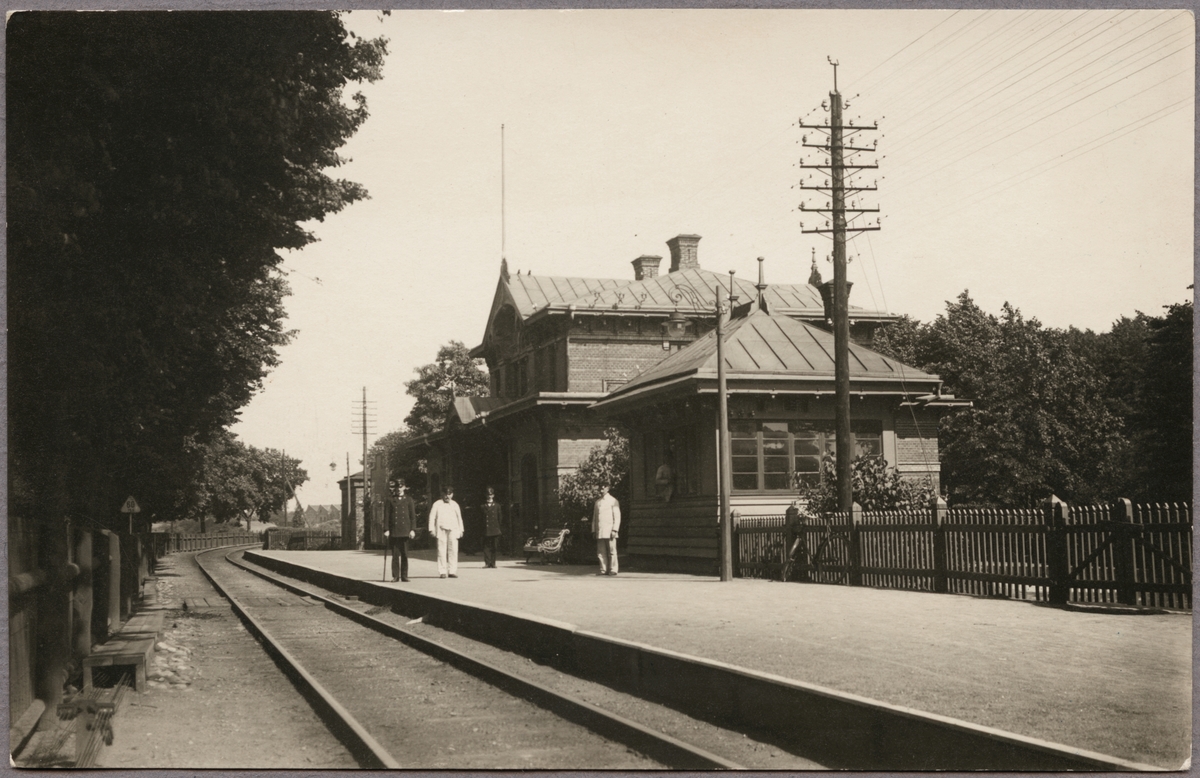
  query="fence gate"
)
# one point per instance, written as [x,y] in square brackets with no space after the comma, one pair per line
[1133,555]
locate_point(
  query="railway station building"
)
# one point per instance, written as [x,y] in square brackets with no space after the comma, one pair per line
[569,357]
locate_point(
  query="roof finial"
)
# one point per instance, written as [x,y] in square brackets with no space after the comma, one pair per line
[761,286]
[503,269]
[814,277]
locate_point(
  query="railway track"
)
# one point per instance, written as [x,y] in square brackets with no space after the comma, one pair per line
[398,699]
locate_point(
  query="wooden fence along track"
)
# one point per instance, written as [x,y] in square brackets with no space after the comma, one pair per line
[1136,555]
[173,542]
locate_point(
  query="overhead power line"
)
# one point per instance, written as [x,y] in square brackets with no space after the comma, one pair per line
[1023,98]
[910,182]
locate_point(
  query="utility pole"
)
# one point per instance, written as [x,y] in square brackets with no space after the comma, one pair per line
[364,419]
[296,520]
[349,520]
[723,434]
[836,226]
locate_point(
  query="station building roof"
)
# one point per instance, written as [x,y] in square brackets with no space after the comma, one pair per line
[776,353]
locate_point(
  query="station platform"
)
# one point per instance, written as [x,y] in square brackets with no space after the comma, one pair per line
[1117,684]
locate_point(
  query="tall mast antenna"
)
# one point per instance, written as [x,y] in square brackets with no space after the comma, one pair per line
[502,235]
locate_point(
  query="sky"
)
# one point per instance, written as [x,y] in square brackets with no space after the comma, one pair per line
[1038,157]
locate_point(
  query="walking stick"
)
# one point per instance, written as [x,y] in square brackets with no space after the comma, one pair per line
[387,546]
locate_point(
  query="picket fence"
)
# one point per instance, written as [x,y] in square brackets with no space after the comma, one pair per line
[1119,553]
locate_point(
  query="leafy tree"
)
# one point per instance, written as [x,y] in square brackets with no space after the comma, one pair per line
[898,339]
[454,374]
[1166,413]
[226,489]
[876,487]
[277,477]
[1041,422]
[157,162]
[239,481]
[606,465]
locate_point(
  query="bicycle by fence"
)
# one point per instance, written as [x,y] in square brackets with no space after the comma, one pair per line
[1116,553]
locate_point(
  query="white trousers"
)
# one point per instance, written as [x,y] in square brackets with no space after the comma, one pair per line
[447,541]
[606,550]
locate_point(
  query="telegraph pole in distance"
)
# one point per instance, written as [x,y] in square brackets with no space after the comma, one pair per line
[364,423]
[837,227]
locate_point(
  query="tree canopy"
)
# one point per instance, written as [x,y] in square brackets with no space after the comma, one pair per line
[1081,415]
[237,481]
[454,374]
[157,162]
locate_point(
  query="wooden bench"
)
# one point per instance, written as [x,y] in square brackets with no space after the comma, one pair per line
[131,647]
[550,546]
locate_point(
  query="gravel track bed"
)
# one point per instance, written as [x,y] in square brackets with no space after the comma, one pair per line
[215,700]
[426,714]
[736,746]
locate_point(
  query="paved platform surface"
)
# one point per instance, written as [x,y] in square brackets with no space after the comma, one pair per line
[1118,684]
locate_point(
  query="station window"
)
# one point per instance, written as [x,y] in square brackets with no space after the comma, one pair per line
[766,453]
[672,463]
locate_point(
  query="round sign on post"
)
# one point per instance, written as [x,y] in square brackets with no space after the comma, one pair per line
[131,507]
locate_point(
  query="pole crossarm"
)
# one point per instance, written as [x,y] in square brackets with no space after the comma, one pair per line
[844,189]
[843,210]
[831,166]
[826,147]
[846,127]
[834,231]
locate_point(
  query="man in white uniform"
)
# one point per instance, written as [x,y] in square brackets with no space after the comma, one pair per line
[446,524]
[606,521]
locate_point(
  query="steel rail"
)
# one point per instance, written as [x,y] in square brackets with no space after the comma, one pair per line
[361,744]
[674,753]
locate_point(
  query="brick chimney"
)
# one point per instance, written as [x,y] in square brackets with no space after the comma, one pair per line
[684,252]
[645,266]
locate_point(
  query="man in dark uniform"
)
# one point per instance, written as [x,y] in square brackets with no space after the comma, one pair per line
[402,523]
[491,528]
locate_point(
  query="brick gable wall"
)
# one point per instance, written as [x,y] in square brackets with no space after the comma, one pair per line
[596,366]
